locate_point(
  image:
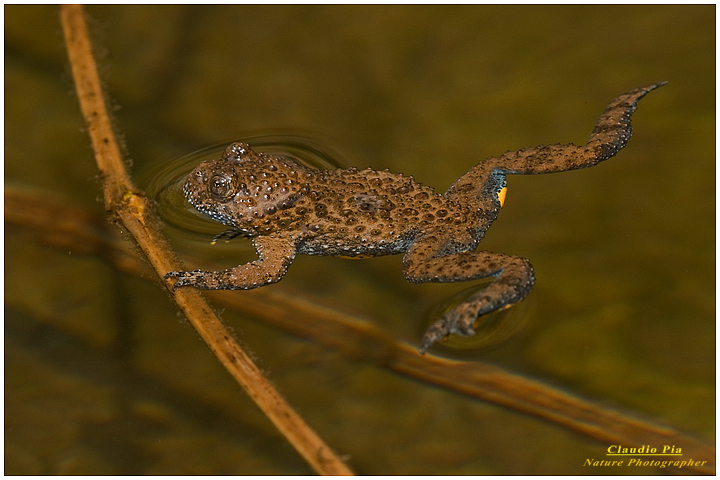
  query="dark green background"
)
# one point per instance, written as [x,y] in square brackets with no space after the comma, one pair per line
[624,306]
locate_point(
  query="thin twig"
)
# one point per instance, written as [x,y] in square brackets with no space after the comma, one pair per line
[123,199]
[66,227]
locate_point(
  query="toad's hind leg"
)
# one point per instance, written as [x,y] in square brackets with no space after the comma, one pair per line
[611,133]
[425,262]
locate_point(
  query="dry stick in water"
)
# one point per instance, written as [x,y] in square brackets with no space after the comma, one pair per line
[134,211]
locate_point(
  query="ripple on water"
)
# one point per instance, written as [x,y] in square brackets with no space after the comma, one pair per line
[490,330]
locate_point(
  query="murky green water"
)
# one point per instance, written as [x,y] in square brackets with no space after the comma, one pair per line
[103,377]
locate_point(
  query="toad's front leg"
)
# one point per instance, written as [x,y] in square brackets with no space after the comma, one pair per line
[275,256]
[514,279]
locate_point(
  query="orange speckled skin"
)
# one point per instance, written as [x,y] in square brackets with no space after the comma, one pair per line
[290,209]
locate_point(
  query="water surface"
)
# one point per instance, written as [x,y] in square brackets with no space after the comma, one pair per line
[103,377]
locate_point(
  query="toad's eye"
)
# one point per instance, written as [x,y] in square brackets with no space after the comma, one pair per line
[220,186]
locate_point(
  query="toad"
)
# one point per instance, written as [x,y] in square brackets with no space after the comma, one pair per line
[289,209]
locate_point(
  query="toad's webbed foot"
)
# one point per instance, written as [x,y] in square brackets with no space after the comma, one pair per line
[196,278]
[429,261]
[514,278]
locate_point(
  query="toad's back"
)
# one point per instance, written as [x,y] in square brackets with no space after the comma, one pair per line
[368,212]
[329,212]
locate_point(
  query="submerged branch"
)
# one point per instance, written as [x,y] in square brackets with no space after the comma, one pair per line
[135,213]
[68,228]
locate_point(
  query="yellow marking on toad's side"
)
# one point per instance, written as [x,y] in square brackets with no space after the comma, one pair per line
[501,196]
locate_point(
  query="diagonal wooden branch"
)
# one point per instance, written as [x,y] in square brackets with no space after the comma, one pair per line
[134,211]
[67,228]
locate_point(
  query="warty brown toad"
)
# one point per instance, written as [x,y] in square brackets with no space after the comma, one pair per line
[289,209]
